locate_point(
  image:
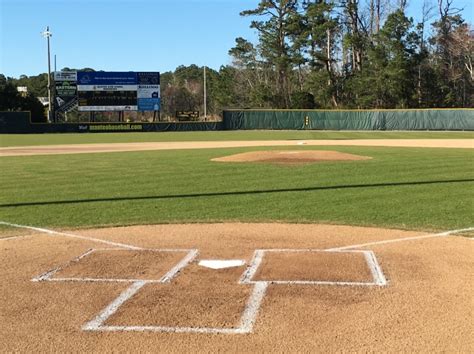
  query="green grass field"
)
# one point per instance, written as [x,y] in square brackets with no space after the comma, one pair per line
[409,188]
[55,139]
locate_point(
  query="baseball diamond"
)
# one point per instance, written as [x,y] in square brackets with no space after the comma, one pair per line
[319,260]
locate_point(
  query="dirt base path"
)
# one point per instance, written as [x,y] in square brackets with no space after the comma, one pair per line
[117,297]
[116,147]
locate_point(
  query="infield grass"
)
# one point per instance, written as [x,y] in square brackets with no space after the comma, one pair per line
[58,139]
[409,188]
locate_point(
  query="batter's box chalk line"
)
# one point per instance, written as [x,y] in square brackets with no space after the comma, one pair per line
[252,307]
[378,278]
[166,278]
[254,301]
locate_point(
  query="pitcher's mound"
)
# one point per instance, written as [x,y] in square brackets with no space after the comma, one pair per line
[291,157]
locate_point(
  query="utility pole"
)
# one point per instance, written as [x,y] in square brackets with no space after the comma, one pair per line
[47,34]
[205,95]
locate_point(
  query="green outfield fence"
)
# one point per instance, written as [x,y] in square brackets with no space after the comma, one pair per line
[20,123]
[419,119]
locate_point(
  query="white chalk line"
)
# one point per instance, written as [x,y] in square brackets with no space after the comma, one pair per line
[247,321]
[164,329]
[177,268]
[250,313]
[52,232]
[246,324]
[375,269]
[113,306]
[254,264]
[100,280]
[252,307]
[15,237]
[314,282]
[189,257]
[254,303]
[413,238]
[48,275]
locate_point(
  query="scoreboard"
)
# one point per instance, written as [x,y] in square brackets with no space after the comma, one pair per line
[118,91]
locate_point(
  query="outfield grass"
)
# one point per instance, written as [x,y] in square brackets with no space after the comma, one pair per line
[412,188]
[56,139]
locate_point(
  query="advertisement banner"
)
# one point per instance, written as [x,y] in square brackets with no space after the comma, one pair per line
[106,78]
[148,97]
[65,90]
[107,88]
[148,78]
[148,91]
[149,104]
[65,76]
[107,108]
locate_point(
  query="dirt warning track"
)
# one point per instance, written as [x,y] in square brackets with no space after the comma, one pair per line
[302,288]
[117,147]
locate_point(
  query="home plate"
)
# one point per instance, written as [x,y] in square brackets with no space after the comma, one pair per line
[221,264]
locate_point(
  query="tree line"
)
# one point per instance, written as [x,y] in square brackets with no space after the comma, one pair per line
[12,100]
[354,54]
[331,54]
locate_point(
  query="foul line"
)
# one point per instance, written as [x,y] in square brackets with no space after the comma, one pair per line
[15,237]
[441,234]
[52,232]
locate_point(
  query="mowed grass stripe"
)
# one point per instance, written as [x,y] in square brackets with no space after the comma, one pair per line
[58,139]
[399,187]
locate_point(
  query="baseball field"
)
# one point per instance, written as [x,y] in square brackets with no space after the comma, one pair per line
[288,241]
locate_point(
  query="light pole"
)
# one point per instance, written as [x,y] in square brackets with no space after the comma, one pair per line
[205,95]
[47,34]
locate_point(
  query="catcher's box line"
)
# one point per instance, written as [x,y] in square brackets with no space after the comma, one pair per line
[97,322]
[246,324]
[248,318]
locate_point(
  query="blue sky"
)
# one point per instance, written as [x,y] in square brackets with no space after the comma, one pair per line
[129,35]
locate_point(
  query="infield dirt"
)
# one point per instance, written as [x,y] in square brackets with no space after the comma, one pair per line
[116,147]
[426,306]
[314,266]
